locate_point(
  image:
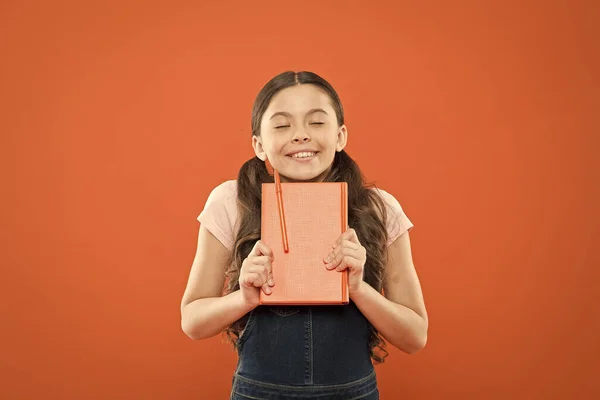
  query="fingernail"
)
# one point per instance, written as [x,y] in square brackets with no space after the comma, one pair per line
[271,282]
[268,291]
[328,259]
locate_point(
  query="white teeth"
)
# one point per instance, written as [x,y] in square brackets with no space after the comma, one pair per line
[303,155]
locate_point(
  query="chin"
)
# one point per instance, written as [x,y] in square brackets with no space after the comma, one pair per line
[303,176]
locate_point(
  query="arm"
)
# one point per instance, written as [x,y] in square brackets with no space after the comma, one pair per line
[204,311]
[400,316]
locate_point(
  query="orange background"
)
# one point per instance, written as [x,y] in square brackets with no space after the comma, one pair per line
[118,119]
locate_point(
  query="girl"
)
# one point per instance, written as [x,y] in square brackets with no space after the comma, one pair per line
[320,352]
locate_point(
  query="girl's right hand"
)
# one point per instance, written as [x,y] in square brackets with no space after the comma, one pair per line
[256,274]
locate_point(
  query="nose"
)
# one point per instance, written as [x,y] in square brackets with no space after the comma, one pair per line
[301,136]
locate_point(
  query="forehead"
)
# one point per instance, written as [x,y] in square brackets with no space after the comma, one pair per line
[299,99]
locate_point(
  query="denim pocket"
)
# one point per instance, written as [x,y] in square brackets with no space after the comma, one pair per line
[284,311]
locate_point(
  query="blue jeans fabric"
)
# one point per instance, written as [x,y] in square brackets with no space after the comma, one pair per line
[305,352]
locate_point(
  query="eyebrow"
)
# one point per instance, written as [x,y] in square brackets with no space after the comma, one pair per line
[286,114]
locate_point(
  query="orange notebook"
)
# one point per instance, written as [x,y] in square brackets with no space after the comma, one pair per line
[299,223]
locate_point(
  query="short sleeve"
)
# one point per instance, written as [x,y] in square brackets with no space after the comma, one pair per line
[220,213]
[397,222]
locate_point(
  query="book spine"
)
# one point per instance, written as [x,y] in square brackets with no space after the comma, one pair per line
[344,210]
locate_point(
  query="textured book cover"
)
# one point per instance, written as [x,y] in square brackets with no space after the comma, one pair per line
[316,214]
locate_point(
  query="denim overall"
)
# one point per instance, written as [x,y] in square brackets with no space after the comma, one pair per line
[305,352]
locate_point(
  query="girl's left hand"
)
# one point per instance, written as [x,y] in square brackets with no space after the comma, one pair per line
[348,253]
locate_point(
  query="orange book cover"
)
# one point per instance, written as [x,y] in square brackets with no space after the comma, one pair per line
[315,215]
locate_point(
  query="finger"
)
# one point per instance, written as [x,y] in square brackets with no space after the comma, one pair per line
[266,288]
[338,249]
[251,279]
[351,235]
[260,260]
[350,261]
[255,249]
[346,258]
[271,278]
[266,262]
[347,243]
[332,259]
[260,277]
[262,254]
[261,270]
[328,259]
[261,249]
[338,240]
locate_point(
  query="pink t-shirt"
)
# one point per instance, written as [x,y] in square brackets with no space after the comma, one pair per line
[220,213]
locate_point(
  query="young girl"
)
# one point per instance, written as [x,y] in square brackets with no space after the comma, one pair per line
[316,352]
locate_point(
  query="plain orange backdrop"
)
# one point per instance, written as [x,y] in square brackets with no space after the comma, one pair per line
[118,118]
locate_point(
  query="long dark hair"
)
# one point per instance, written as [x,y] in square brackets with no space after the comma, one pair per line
[366,210]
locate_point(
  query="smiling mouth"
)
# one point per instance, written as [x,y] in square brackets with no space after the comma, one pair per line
[304,154]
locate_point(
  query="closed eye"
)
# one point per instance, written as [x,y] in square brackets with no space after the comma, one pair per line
[317,123]
[282,126]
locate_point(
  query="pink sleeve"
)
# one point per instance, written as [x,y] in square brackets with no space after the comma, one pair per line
[397,222]
[220,213]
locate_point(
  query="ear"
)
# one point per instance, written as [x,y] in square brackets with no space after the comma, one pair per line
[258,148]
[342,138]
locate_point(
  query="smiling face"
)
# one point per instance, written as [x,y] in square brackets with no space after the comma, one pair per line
[299,134]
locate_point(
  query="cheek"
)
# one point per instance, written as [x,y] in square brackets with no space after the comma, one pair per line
[276,145]
[331,142]
[273,148]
